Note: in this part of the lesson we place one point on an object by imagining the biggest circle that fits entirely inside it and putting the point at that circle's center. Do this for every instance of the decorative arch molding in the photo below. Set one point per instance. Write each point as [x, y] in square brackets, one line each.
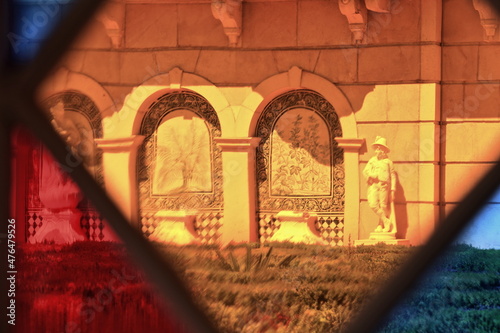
[66, 80]
[138, 102]
[82, 104]
[295, 79]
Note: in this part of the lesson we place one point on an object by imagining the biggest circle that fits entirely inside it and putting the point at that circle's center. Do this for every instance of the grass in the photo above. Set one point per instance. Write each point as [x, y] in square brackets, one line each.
[278, 288]
[283, 287]
[461, 294]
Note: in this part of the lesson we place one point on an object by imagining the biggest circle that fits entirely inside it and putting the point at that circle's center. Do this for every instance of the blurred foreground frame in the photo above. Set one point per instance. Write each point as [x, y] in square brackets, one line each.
[18, 106]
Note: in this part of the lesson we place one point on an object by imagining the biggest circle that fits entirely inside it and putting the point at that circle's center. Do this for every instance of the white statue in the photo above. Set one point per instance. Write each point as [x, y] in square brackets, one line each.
[381, 180]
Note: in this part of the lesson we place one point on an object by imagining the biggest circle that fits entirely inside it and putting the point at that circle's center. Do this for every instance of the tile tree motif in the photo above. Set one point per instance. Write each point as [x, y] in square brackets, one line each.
[179, 164]
[182, 162]
[300, 155]
[299, 165]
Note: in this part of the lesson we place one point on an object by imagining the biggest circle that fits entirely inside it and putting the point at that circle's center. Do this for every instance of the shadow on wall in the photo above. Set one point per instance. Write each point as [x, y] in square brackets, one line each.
[401, 210]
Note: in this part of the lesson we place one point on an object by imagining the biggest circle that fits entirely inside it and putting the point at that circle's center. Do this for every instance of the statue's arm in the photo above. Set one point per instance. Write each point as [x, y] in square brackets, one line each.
[393, 176]
[367, 169]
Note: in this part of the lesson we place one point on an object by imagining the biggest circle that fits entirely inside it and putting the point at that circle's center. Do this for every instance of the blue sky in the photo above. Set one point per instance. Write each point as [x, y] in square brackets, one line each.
[484, 232]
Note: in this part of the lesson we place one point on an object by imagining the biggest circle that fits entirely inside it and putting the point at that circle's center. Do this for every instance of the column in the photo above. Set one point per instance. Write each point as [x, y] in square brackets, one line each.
[351, 149]
[119, 161]
[240, 197]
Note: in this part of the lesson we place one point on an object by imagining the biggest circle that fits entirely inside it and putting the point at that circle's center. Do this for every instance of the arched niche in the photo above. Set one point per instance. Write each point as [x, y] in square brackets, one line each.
[296, 78]
[179, 166]
[49, 189]
[82, 114]
[299, 164]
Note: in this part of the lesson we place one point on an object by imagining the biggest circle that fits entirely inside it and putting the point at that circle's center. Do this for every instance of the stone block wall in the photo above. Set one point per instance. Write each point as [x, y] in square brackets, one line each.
[423, 77]
[470, 103]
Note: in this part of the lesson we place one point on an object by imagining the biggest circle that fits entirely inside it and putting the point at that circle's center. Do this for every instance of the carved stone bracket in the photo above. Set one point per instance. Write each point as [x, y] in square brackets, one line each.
[356, 14]
[229, 12]
[113, 17]
[113, 29]
[379, 6]
[489, 18]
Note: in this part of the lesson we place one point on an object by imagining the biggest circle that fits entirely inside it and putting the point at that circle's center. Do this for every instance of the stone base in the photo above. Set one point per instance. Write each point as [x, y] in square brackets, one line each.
[295, 232]
[297, 228]
[382, 235]
[175, 227]
[61, 227]
[405, 242]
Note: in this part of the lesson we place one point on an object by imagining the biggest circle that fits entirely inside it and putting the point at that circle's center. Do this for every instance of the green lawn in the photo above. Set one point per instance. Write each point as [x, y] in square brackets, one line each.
[461, 294]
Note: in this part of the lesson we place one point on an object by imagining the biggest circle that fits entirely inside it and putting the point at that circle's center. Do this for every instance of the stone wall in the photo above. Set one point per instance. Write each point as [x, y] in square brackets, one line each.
[423, 77]
[470, 102]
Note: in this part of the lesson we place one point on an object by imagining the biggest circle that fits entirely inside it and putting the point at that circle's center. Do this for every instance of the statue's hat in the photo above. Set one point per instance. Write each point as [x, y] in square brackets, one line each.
[380, 141]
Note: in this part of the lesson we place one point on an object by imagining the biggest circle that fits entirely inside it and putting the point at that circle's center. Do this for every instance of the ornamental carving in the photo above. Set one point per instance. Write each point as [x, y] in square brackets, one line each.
[229, 12]
[179, 165]
[356, 12]
[299, 164]
[489, 18]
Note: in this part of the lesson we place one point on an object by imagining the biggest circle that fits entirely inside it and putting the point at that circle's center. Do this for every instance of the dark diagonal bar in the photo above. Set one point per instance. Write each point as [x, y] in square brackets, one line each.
[370, 317]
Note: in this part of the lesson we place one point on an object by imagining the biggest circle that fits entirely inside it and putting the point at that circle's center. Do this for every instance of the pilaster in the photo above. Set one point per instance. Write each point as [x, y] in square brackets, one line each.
[240, 197]
[119, 158]
[352, 148]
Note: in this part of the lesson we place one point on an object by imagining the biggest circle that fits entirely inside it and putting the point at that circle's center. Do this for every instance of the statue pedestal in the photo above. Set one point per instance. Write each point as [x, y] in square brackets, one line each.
[388, 238]
[297, 227]
[175, 227]
[61, 227]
